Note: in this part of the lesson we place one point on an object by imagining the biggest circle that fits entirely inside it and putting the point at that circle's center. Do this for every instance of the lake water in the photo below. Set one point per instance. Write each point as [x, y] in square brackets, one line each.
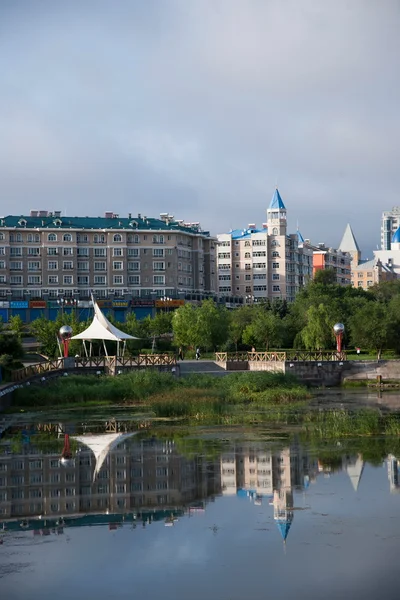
[210, 513]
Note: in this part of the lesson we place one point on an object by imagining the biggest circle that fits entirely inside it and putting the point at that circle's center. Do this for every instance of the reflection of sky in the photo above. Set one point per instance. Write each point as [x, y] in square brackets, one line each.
[342, 545]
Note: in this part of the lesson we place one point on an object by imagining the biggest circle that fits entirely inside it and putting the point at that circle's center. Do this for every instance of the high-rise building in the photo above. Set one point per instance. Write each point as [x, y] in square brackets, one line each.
[46, 256]
[267, 262]
[390, 224]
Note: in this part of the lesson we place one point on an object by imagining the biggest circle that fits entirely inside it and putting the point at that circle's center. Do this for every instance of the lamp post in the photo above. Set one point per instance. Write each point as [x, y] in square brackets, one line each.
[67, 302]
[166, 300]
[338, 329]
[65, 334]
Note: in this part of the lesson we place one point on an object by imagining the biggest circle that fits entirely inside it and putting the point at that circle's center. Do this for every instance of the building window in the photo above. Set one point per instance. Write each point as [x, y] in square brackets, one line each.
[117, 252]
[275, 254]
[51, 237]
[118, 280]
[70, 251]
[100, 280]
[52, 279]
[159, 280]
[82, 238]
[275, 231]
[133, 266]
[158, 252]
[135, 251]
[68, 279]
[99, 266]
[83, 280]
[67, 237]
[118, 265]
[275, 265]
[158, 266]
[275, 276]
[276, 288]
[117, 238]
[52, 265]
[99, 238]
[68, 265]
[134, 279]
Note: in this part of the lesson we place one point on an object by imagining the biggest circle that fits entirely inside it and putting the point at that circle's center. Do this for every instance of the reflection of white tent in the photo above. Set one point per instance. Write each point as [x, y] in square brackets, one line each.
[101, 329]
[101, 445]
[354, 467]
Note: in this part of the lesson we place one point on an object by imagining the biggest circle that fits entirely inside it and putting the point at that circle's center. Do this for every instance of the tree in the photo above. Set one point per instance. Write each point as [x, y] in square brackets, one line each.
[372, 327]
[325, 276]
[16, 325]
[318, 332]
[265, 331]
[240, 318]
[204, 326]
[46, 333]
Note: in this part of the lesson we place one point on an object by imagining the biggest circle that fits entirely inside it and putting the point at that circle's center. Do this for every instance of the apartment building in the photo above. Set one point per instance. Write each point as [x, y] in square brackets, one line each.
[330, 258]
[45, 257]
[371, 272]
[389, 225]
[256, 264]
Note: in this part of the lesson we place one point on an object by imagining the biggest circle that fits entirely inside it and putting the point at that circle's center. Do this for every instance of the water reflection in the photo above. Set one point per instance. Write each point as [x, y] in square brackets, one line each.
[122, 477]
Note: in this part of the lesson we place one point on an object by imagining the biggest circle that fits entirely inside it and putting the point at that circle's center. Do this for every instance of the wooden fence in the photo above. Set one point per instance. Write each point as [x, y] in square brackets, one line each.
[280, 356]
[103, 363]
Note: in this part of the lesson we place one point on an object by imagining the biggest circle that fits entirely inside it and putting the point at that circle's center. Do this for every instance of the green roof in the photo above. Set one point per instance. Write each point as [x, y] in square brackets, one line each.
[118, 223]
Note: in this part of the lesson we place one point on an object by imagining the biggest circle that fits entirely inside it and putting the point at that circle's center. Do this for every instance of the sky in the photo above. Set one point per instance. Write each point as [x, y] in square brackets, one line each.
[200, 108]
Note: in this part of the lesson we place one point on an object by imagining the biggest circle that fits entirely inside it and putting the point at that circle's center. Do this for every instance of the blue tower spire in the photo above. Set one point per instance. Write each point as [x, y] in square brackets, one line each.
[277, 202]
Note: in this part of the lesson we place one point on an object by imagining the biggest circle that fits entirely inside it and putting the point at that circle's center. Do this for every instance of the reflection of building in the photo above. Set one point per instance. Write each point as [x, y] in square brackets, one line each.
[255, 471]
[393, 467]
[135, 474]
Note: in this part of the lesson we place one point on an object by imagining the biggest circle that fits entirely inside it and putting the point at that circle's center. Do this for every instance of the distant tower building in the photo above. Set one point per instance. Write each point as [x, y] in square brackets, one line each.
[255, 264]
[349, 245]
[390, 224]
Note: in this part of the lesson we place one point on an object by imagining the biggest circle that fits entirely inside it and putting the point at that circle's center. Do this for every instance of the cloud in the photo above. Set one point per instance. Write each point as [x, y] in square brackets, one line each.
[199, 108]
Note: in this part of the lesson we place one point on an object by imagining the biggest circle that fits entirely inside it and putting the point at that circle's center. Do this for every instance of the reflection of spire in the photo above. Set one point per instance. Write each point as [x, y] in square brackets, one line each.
[101, 445]
[283, 511]
[354, 467]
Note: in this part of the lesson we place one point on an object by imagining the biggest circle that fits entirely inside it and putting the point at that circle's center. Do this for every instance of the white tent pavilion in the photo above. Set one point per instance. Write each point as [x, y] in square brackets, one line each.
[101, 329]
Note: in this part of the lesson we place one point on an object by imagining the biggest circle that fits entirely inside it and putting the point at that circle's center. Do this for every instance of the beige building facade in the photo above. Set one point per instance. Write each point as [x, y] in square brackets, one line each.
[46, 255]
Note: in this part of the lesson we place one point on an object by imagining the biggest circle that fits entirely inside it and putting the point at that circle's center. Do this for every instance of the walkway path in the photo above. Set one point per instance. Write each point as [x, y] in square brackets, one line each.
[187, 367]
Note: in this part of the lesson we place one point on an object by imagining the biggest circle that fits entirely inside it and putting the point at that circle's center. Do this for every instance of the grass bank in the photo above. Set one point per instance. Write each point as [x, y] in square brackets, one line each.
[166, 396]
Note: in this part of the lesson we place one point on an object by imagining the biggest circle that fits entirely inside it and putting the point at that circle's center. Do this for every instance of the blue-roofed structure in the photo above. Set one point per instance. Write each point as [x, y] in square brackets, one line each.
[277, 202]
[241, 234]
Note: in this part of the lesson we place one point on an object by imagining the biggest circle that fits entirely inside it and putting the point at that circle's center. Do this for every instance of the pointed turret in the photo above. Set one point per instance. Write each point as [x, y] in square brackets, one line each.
[276, 215]
[349, 244]
[300, 238]
[354, 467]
[277, 202]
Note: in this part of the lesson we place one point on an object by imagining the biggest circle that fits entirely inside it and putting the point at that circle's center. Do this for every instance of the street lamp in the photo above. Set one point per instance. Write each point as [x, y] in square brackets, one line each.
[67, 302]
[338, 329]
[165, 300]
[65, 334]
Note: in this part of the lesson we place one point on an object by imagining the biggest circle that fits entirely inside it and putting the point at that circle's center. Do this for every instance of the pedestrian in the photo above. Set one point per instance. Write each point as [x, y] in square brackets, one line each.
[197, 353]
[180, 353]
